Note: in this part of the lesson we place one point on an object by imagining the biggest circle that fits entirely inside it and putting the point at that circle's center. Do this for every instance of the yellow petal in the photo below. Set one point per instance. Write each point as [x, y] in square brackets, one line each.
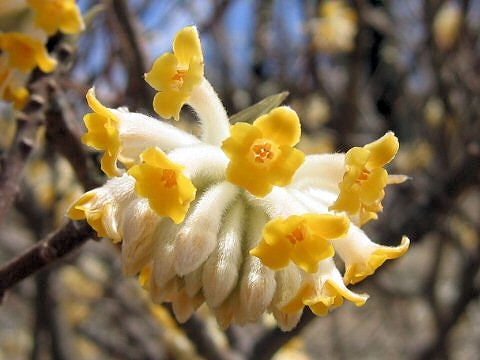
[357, 157]
[160, 77]
[309, 252]
[26, 52]
[246, 176]
[82, 209]
[103, 134]
[193, 76]
[328, 226]
[62, 15]
[242, 136]
[168, 104]
[372, 188]
[347, 201]
[186, 45]
[296, 304]
[382, 151]
[275, 256]
[359, 271]
[281, 125]
[168, 190]
[283, 167]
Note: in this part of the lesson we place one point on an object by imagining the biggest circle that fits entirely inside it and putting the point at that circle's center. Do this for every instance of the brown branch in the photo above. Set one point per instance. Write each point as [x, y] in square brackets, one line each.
[133, 54]
[273, 340]
[14, 162]
[63, 135]
[54, 247]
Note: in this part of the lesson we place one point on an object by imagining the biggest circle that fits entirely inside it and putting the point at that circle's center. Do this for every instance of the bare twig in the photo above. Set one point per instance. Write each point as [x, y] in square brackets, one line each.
[133, 53]
[16, 158]
[273, 340]
[54, 247]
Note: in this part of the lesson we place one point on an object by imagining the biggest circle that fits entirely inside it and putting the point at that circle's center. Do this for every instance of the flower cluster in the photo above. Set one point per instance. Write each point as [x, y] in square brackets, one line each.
[239, 218]
[335, 29]
[24, 30]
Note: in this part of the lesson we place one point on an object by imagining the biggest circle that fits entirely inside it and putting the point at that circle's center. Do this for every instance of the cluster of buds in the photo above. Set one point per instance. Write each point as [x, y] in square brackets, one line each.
[238, 218]
[25, 26]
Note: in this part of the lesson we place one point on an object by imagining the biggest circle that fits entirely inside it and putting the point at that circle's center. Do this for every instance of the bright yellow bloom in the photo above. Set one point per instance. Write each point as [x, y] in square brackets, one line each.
[63, 15]
[176, 75]
[323, 291]
[102, 126]
[331, 296]
[362, 187]
[25, 52]
[84, 208]
[302, 239]
[262, 155]
[162, 182]
[376, 255]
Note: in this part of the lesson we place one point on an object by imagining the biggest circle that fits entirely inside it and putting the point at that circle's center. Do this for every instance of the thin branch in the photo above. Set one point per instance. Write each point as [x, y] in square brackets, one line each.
[62, 134]
[54, 247]
[273, 340]
[133, 54]
[14, 162]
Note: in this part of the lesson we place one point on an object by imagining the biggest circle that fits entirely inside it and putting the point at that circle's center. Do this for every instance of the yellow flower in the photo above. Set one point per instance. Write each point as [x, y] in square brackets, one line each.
[162, 182]
[302, 239]
[362, 187]
[262, 155]
[56, 15]
[102, 126]
[25, 52]
[84, 208]
[11, 88]
[323, 291]
[363, 257]
[176, 75]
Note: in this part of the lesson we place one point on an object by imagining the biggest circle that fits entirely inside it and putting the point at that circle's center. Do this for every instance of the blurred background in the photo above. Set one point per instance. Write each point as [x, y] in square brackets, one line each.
[353, 70]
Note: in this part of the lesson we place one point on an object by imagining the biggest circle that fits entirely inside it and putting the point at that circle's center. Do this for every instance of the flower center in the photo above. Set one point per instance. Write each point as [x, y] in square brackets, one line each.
[178, 79]
[263, 152]
[363, 175]
[297, 235]
[169, 178]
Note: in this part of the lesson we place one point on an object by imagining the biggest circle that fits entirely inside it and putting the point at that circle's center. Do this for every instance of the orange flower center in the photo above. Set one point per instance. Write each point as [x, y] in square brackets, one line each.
[178, 79]
[363, 175]
[169, 178]
[262, 152]
[297, 235]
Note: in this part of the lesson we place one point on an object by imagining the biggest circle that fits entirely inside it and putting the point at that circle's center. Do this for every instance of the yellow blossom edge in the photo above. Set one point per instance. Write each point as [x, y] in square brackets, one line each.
[364, 181]
[25, 52]
[82, 209]
[359, 271]
[330, 296]
[176, 75]
[301, 239]
[262, 154]
[62, 15]
[162, 182]
[103, 134]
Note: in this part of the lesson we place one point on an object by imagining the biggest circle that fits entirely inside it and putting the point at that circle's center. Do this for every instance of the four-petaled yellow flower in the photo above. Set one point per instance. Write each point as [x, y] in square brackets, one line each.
[176, 75]
[25, 52]
[102, 126]
[362, 187]
[163, 183]
[262, 155]
[62, 15]
[302, 239]
[323, 291]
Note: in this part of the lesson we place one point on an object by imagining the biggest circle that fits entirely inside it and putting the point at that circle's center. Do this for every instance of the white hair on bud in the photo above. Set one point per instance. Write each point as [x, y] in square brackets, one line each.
[220, 272]
[197, 237]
